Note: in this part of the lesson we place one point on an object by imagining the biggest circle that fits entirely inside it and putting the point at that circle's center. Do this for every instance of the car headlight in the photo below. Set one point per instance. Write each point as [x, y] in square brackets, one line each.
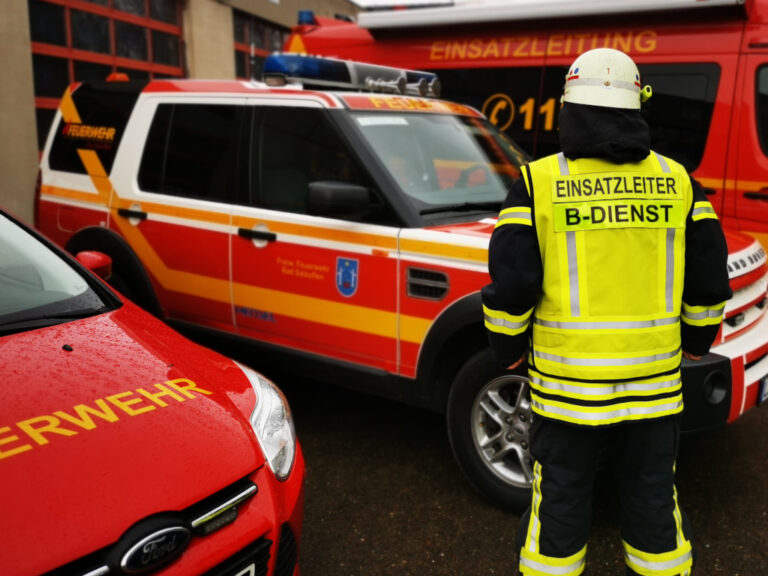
[272, 423]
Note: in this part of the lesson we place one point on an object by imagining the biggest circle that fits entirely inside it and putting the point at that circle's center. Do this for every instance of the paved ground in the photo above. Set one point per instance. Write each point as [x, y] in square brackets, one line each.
[384, 497]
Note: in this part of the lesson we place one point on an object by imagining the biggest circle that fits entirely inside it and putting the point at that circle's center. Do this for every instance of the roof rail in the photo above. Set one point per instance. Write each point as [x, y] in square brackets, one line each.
[283, 68]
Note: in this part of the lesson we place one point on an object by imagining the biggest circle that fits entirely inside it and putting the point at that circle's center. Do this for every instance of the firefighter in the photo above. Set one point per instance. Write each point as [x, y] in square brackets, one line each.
[608, 266]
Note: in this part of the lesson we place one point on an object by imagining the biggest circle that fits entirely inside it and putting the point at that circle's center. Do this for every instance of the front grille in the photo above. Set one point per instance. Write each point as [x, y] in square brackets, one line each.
[252, 560]
[201, 519]
[286, 553]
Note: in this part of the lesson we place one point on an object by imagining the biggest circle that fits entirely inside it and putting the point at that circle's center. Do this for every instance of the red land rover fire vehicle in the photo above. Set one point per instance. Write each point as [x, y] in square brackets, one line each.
[340, 224]
[124, 447]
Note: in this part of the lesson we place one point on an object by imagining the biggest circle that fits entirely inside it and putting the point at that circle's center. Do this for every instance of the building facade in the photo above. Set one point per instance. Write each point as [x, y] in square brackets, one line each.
[61, 41]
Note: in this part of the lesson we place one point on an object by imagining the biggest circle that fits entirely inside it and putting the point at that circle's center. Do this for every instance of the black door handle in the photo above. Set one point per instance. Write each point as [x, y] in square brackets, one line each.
[257, 234]
[709, 191]
[128, 213]
[756, 195]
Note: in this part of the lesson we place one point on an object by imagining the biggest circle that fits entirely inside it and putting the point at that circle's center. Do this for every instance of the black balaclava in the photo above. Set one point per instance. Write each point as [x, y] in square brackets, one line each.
[615, 134]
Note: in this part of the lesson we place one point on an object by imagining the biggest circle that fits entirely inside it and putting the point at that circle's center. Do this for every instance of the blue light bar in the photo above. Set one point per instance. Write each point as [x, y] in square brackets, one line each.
[314, 71]
[307, 17]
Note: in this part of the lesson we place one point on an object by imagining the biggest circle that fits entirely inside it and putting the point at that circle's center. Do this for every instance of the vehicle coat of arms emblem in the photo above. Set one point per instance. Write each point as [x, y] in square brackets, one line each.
[346, 276]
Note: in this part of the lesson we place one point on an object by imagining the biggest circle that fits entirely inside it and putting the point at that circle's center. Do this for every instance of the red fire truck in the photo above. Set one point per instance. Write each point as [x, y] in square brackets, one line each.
[707, 62]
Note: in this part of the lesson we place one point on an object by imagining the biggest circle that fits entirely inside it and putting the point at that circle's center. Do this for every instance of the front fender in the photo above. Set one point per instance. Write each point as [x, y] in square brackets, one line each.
[455, 336]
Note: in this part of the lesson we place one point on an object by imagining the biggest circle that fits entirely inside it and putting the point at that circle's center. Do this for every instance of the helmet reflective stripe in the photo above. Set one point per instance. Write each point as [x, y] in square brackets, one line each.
[578, 81]
[603, 77]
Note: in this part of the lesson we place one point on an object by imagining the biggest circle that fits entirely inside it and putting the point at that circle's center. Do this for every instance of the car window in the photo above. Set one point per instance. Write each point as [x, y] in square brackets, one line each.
[762, 107]
[191, 151]
[36, 283]
[102, 111]
[442, 159]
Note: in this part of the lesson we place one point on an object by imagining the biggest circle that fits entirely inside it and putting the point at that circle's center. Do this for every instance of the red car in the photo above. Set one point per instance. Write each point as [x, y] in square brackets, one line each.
[124, 447]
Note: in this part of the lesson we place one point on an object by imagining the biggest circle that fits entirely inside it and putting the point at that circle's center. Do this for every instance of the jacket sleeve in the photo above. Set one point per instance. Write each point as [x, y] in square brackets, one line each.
[514, 263]
[706, 286]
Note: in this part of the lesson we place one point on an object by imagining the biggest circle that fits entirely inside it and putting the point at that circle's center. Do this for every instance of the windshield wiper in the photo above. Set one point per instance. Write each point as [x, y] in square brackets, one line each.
[46, 320]
[463, 206]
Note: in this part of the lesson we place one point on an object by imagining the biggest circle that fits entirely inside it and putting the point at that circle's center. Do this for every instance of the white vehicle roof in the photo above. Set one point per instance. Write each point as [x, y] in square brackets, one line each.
[478, 11]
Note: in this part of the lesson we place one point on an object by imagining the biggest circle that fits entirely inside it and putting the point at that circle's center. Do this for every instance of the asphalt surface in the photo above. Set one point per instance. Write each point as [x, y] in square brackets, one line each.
[384, 496]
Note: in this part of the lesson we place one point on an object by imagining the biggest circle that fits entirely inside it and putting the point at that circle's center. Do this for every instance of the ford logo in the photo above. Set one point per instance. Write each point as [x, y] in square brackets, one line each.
[158, 548]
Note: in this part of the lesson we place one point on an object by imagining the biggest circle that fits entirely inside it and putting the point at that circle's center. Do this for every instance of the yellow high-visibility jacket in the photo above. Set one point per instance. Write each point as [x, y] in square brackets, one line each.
[589, 261]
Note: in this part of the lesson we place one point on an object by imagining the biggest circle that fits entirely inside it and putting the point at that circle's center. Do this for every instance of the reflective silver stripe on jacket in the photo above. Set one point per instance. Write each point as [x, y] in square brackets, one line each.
[607, 324]
[702, 211]
[662, 162]
[710, 312]
[669, 282]
[504, 323]
[611, 413]
[617, 389]
[570, 240]
[605, 362]
[516, 215]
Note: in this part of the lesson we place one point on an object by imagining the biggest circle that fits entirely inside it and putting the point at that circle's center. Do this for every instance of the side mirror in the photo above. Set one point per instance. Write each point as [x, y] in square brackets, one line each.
[97, 262]
[331, 198]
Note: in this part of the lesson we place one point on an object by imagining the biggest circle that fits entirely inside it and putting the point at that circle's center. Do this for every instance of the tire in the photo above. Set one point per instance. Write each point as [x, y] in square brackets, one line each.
[488, 417]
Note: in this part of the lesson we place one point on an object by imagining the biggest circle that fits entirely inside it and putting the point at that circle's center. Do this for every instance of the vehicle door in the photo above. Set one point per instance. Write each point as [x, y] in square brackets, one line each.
[175, 212]
[318, 284]
[749, 156]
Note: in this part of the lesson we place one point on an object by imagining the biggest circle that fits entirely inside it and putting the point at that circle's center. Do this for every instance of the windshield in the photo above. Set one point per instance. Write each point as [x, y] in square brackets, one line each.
[444, 163]
[37, 287]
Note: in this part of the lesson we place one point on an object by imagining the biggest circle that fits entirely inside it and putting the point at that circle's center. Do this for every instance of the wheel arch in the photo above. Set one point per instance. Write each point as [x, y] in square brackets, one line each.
[456, 335]
[125, 262]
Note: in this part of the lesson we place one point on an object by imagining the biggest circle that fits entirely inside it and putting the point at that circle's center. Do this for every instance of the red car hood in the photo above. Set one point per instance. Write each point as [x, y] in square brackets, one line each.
[84, 453]
[482, 227]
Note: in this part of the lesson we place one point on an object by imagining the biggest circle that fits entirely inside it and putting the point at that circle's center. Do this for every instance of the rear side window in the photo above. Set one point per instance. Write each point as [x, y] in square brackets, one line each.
[680, 111]
[191, 151]
[95, 122]
[762, 107]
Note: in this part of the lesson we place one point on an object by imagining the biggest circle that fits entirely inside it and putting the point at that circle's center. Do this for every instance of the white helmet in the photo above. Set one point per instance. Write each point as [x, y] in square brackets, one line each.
[605, 77]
